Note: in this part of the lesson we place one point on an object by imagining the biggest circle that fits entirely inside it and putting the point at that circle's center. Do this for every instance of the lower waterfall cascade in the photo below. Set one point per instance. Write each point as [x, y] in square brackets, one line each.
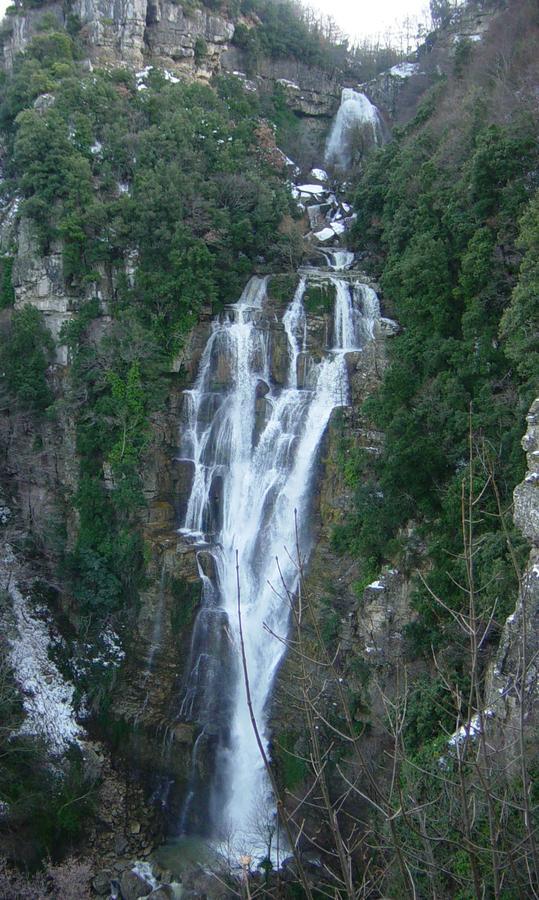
[252, 442]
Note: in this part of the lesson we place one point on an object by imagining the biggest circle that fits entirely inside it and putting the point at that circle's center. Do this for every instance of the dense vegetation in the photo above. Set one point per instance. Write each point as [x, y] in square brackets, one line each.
[449, 210]
[162, 204]
[449, 213]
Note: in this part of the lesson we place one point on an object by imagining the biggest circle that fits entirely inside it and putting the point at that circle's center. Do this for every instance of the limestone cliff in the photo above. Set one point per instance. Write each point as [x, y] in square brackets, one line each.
[513, 683]
[127, 31]
[197, 44]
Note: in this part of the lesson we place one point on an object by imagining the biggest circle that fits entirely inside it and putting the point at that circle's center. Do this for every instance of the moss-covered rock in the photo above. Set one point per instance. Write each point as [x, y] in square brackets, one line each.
[319, 298]
[281, 288]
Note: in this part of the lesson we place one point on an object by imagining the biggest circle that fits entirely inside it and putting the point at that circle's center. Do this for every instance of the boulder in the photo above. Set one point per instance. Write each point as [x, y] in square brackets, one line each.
[134, 886]
[163, 892]
[101, 883]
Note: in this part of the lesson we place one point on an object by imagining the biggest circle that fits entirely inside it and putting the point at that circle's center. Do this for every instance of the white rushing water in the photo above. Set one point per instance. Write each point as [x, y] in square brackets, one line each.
[253, 447]
[357, 126]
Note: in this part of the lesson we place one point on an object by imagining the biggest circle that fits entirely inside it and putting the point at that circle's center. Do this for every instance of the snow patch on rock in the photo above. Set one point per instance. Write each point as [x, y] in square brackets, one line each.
[46, 697]
[319, 174]
[470, 730]
[404, 70]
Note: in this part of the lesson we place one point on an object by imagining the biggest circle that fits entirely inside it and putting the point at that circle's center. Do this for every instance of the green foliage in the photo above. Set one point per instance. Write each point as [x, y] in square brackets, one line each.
[25, 354]
[520, 321]
[292, 768]
[7, 293]
[319, 298]
[463, 55]
[201, 50]
[128, 409]
[448, 238]
[186, 596]
[48, 22]
[282, 287]
[430, 714]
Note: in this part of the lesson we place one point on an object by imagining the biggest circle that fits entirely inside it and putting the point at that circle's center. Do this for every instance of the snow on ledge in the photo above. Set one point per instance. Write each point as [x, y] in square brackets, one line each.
[312, 190]
[404, 70]
[284, 82]
[319, 174]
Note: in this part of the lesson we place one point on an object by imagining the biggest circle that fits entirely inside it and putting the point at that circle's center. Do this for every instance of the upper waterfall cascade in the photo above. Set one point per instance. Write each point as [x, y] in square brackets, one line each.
[357, 124]
[252, 442]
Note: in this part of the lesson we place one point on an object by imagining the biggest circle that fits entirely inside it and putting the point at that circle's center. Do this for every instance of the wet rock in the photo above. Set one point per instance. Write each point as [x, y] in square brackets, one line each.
[101, 883]
[262, 414]
[388, 327]
[262, 388]
[163, 892]
[207, 563]
[133, 886]
[279, 359]
[120, 843]
[198, 883]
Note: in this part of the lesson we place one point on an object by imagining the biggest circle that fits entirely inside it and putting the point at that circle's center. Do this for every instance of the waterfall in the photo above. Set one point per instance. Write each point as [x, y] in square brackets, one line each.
[357, 127]
[338, 260]
[253, 447]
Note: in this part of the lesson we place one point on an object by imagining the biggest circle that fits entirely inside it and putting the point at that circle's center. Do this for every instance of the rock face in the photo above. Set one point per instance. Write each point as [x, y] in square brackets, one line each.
[171, 35]
[513, 682]
[526, 495]
[141, 32]
[23, 29]
[309, 91]
[38, 280]
[130, 31]
[157, 745]
[113, 28]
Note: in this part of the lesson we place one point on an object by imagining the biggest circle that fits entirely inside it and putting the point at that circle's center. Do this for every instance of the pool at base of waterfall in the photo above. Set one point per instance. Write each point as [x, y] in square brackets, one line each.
[184, 857]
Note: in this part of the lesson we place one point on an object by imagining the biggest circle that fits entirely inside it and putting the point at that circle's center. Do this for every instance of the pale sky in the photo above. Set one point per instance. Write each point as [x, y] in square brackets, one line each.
[356, 18]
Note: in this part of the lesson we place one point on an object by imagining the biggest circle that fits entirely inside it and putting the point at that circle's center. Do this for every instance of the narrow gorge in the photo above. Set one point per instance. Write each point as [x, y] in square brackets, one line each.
[268, 536]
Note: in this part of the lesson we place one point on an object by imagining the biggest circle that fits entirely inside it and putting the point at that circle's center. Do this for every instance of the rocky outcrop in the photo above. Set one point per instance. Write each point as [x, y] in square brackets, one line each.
[38, 280]
[113, 29]
[172, 35]
[513, 682]
[159, 32]
[526, 496]
[398, 90]
[388, 89]
[21, 26]
[129, 32]
[308, 91]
